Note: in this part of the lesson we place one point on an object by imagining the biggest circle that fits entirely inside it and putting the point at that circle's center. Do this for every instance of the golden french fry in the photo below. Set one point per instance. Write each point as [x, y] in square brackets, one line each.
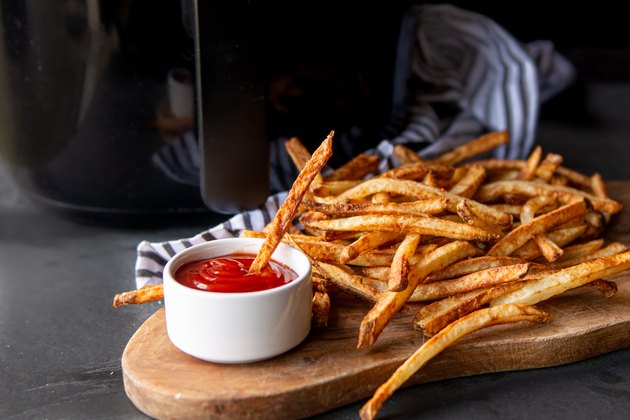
[321, 309]
[404, 224]
[491, 192]
[607, 288]
[321, 284]
[598, 186]
[321, 250]
[332, 188]
[475, 321]
[612, 249]
[376, 272]
[419, 170]
[575, 178]
[357, 168]
[401, 263]
[560, 237]
[541, 224]
[300, 155]
[467, 186]
[348, 282]
[434, 317]
[418, 190]
[475, 147]
[547, 247]
[472, 265]
[143, 295]
[431, 180]
[511, 209]
[548, 166]
[476, 280]
[417, 208]
[534, 205]
[529, 170]
[367, 242]
[381, 198]
[580, 250]
[389, 303]
[465, 212]
[291, 204]
[405, 155]
[567, 278]
[559, 180]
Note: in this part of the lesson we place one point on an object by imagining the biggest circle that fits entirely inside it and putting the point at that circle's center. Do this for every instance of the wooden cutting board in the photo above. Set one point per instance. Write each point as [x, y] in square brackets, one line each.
[327, 371]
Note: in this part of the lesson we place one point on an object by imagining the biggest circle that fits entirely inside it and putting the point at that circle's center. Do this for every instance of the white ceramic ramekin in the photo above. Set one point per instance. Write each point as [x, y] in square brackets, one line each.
[238, 327]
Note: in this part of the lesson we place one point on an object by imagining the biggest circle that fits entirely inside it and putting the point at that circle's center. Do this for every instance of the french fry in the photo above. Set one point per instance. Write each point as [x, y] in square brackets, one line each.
[470, 323]
[567, 278]
[434, 317]
[389, 303]
[475, 147]
[143, 295]
[612, 249]
[321, 284]
[376, 272]
[367, 242]
[534, 205]
[511, 209]
[300, 155]
[405, 155]
[560, 237]
[381, 198]
[472, 265]
[598, 186]
[401, 263]
[477, 280]
[495, 217]
[531, 164]
[465, 212]
[420, 191]
[548, 166]
[493, 191]
[607, 288]
[349, 282]
[418, 171]
[549, 249]
[541, 224]
[355, 169]
[404, 224]
[467, 186]
[290, 206]
[417, 208]
[575, 178]
[321, 309]
[580, 250]
[332, 188]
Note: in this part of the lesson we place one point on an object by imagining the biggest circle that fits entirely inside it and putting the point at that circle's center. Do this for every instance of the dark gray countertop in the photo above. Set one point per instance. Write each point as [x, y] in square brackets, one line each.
[61, 341]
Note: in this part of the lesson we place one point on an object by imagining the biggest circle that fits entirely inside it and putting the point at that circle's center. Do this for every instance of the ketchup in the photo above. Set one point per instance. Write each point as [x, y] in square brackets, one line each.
[230, 274]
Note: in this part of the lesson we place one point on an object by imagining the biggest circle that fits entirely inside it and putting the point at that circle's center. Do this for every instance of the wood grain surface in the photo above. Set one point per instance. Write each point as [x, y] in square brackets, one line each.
[327, 371]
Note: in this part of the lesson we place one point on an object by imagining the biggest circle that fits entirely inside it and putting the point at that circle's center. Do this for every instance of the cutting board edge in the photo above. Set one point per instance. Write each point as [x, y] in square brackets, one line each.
[156, 404]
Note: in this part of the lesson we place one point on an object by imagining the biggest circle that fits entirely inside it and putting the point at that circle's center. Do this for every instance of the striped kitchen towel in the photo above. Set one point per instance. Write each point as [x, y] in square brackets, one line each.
[458, 74]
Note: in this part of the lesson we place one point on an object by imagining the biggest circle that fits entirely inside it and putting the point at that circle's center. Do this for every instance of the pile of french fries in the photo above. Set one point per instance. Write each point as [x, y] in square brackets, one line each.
[479, 241]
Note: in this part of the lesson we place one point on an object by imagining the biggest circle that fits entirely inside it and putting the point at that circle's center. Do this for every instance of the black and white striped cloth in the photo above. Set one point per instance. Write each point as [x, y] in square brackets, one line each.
[458, 75]
[465, 75]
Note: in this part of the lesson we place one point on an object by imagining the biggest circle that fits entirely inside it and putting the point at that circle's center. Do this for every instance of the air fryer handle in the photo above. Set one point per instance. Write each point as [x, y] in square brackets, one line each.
[231, 107]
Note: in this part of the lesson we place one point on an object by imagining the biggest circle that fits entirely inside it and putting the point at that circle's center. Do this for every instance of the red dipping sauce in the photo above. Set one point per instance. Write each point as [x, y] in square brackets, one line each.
[229, 274]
